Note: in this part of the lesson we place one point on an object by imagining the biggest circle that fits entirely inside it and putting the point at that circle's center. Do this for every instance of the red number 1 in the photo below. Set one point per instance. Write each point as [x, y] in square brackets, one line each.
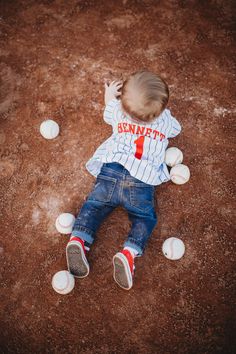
[139, 147]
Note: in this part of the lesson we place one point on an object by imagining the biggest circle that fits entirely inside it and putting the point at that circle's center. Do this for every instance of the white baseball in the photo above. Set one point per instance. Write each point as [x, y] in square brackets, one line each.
[173, 248]
[63, 282]
[49, 129]
[64, 223]
[173, 156]
[179, 174]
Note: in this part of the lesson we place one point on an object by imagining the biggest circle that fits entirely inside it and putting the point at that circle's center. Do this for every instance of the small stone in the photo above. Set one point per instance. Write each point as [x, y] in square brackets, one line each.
[24, 147]
[6, 169]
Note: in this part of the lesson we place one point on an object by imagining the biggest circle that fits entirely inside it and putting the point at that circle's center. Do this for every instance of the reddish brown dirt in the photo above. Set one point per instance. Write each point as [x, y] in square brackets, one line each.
[55, 56]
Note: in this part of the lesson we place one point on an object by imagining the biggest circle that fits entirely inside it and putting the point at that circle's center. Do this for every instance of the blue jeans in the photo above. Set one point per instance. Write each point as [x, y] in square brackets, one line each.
[115, 186]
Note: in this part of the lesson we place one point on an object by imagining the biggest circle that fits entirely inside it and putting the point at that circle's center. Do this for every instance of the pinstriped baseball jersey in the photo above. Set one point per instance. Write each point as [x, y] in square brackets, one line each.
[139, 147]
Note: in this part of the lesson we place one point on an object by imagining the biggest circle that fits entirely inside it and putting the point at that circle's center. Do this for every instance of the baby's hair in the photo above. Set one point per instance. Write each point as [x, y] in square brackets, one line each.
[144, 95]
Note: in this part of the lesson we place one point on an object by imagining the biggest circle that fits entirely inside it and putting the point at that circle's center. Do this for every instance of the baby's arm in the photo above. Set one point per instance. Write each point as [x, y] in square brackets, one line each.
[175, 127]
[112, 91]
[111, 102]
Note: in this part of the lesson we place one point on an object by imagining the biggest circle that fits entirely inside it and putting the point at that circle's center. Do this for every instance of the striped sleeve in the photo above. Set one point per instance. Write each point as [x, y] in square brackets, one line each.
[108, 114]
[175, 127]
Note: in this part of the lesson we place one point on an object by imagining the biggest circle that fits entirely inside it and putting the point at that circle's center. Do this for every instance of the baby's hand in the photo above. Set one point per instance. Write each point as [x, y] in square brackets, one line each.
[112, 90]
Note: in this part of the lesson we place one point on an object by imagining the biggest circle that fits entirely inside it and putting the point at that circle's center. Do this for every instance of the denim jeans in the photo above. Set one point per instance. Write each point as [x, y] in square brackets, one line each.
[115, 186]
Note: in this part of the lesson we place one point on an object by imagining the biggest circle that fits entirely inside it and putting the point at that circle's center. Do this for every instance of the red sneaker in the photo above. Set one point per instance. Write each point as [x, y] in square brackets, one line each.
[123, 263]
[76, 257]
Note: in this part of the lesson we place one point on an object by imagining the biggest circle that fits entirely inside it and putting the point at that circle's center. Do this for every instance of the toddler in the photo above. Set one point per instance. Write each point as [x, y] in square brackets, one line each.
[128, 166]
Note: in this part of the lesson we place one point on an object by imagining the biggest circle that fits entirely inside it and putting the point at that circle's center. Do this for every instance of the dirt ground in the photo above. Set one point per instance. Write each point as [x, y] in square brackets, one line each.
[55, 57]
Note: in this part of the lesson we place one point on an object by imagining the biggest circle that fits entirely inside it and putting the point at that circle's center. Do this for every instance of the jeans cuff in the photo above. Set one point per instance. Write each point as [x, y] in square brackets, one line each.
[83, 235]
[134, 246]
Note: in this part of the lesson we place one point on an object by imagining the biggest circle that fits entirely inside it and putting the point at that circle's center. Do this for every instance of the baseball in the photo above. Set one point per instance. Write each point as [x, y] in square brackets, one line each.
[173, 248]
[173, 156]
[179, 174]
[64, 223]
[63, 282]
[49, 129]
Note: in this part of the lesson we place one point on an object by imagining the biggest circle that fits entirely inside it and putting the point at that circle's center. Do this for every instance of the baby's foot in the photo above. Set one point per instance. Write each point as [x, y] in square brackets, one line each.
[76, 257]
[123, 263]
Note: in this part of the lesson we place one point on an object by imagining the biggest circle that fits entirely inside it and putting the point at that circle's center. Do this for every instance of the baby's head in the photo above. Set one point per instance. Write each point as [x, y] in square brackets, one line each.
[144, 95]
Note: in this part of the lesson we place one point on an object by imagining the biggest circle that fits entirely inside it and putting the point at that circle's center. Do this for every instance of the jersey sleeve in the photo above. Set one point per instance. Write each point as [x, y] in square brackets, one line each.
[175, 127]
[110, 111]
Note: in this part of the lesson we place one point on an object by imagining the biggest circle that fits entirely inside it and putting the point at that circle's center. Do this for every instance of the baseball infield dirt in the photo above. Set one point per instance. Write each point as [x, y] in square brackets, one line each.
[55, 57]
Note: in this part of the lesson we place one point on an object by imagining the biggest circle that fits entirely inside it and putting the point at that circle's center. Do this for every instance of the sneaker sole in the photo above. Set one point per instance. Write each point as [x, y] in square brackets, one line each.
[122, 274]
[76, 261]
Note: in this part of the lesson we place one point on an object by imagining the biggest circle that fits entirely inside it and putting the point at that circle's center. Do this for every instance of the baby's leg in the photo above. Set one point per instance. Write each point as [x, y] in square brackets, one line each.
[101, 201]
[89, 219]
[139, 201]
[141, 229]
[86, 224]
